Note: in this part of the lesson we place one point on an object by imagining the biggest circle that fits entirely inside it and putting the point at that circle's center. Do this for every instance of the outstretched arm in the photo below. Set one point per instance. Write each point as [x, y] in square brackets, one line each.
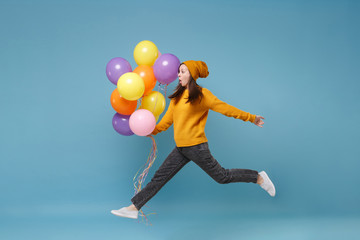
[230, 111]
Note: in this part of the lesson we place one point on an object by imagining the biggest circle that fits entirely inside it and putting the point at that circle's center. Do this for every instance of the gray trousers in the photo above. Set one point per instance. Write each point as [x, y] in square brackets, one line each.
[178, 158]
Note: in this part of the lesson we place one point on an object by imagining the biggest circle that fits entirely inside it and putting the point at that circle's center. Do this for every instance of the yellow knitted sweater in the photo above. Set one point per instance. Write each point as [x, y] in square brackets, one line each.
[190, 119]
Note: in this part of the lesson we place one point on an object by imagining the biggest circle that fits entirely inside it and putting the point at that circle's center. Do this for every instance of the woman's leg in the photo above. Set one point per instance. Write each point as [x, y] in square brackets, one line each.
[200, 154]
[172, 164]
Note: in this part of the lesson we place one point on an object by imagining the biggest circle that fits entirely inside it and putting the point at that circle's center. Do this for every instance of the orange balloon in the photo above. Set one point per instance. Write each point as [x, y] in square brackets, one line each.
[147, 74]
[121, 105]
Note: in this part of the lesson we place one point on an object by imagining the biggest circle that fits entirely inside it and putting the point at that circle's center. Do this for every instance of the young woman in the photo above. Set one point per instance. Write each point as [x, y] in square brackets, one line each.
[188, 110]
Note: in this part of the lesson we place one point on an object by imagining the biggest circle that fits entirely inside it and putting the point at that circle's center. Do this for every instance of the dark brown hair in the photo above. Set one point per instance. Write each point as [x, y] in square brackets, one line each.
[195, 91]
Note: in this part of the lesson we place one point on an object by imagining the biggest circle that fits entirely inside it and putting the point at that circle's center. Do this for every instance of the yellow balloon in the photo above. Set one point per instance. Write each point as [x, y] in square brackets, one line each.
[157, 118]
[154, 102]
[145, 53]
[131, 86]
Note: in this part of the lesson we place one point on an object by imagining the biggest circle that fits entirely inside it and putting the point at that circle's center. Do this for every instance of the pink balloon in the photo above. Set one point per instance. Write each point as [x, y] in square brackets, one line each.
[142, 122]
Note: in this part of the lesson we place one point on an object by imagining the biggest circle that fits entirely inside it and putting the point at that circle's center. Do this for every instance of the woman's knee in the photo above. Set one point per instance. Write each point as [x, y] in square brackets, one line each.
[222, 179]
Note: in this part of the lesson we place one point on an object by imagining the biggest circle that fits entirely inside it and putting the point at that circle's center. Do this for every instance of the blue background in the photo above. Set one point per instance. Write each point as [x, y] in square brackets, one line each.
[64, 167]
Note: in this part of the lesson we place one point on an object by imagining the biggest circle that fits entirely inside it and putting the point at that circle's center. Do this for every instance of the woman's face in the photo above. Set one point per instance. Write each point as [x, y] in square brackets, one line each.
[184, 75]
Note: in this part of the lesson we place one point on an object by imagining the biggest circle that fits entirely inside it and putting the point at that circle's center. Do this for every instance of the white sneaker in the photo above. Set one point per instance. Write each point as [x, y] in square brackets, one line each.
[123, 212]
[267, 185]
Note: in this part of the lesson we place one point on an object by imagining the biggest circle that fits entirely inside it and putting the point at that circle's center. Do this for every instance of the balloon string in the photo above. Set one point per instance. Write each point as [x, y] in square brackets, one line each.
[166, 89]
[139, 103]
[150, 161]
[141, 178]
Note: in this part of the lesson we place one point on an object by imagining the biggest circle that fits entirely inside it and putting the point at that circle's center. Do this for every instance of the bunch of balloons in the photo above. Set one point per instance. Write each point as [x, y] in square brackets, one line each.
[138, 84]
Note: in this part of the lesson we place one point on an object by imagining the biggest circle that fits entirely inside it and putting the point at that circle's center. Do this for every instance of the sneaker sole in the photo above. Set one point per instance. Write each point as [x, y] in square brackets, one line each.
[123, 215]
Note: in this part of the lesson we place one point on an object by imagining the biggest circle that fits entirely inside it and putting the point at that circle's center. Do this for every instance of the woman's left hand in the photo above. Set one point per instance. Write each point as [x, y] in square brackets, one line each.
[258, 121]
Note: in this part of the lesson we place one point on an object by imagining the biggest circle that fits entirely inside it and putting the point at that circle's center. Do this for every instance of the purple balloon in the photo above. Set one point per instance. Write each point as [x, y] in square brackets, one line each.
[166, 68]
[121, 124]
[117, 67]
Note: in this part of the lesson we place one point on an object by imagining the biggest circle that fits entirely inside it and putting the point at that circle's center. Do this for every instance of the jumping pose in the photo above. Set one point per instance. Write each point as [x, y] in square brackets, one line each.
[188, 111]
